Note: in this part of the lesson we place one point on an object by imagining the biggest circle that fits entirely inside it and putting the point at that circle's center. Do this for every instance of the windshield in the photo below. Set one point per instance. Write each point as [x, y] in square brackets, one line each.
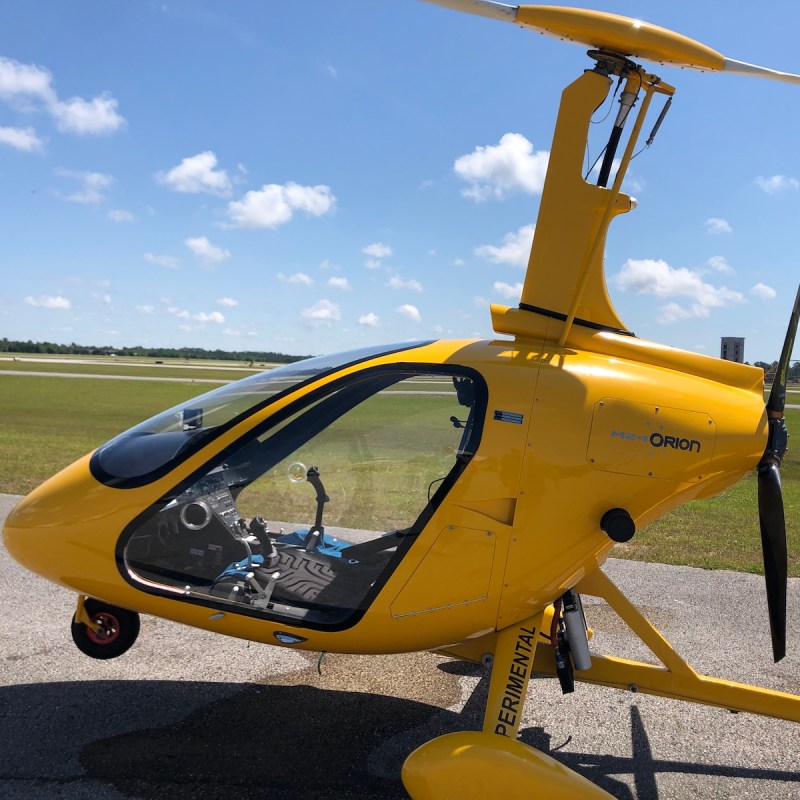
[150, 449]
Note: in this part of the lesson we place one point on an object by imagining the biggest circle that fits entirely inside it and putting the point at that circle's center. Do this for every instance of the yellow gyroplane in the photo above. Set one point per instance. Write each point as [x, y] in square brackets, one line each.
[454, 496]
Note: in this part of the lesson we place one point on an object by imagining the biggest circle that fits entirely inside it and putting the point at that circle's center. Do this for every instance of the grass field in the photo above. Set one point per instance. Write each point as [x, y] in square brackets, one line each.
[48, 422]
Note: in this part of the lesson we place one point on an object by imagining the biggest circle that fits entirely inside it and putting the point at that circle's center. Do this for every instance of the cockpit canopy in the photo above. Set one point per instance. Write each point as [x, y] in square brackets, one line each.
[306, 515]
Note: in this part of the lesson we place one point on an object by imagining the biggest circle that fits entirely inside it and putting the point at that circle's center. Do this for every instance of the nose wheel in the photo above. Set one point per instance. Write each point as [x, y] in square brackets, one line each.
[103, 631]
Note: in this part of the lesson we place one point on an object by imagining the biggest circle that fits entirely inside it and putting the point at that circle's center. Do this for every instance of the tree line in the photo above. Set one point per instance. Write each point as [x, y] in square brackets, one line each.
[52, 348]
[792, 374]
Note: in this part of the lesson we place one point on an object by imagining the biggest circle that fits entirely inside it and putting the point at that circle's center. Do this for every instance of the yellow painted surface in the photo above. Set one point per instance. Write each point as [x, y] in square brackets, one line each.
[569, 204]
[654, 441]
[471, 765]
[464, 554]
[619, 34]
[512, 667]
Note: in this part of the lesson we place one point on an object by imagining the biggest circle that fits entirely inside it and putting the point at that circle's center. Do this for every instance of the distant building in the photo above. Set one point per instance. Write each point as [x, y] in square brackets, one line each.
[732, 349]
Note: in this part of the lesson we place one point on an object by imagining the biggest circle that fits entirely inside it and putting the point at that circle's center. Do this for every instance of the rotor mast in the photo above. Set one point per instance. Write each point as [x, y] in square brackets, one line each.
[565, 283]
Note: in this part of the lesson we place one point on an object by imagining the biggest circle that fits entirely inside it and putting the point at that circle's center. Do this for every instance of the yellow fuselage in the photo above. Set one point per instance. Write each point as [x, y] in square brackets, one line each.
[643, 430]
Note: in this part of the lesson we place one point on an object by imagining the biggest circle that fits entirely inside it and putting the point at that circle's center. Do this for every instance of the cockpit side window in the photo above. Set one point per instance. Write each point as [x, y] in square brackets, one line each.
[306, 517]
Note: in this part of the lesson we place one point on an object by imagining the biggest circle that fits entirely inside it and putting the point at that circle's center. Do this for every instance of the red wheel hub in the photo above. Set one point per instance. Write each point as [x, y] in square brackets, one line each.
[109, 628]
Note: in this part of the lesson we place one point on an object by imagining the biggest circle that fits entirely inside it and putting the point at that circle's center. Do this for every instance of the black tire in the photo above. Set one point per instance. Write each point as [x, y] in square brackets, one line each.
[120, 628]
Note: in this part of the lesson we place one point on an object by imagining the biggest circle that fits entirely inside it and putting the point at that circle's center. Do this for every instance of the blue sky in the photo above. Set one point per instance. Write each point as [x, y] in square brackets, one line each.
[312, 177]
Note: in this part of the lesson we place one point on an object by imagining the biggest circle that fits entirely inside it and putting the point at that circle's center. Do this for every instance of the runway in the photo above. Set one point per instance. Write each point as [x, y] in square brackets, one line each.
[187, 715]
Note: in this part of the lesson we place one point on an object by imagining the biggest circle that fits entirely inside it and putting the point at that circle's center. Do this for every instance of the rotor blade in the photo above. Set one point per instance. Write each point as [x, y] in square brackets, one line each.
[616, 33]
[777, 396]
[481, 8]
[743, 68]
[773, 545]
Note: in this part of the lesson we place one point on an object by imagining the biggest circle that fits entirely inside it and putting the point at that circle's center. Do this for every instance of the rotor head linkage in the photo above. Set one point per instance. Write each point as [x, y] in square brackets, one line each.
[611, 63]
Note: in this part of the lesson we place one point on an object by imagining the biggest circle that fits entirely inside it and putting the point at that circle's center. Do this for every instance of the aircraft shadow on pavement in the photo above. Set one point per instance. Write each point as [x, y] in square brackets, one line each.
[152, 739]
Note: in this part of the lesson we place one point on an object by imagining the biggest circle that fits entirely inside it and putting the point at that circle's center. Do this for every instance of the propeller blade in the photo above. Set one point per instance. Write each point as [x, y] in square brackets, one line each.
[773, 545]
[770, 498]
[777, 395]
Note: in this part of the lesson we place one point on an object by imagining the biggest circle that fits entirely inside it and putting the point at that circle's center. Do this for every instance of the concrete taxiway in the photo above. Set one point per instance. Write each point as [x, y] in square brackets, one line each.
[186, 714]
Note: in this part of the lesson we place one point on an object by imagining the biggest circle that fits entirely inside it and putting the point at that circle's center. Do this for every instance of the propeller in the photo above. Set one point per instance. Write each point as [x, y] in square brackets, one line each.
[615, 33]
[770, 498]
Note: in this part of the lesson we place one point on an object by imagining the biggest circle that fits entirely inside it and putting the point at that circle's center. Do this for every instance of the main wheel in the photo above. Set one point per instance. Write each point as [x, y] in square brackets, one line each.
[118, 630]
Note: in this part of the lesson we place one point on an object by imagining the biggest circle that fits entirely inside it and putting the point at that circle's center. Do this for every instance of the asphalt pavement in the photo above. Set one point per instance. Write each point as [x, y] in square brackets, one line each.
[187, 714]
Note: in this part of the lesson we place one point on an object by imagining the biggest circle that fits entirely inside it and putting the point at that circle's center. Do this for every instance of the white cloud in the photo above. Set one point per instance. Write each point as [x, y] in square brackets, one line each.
[458, 262]
[508, 291]
[719, 264]
[672, 312]
[91, 187]
[275, 204]
[24, 83]
[170, 262]
[24, 80]
[371, 320]
[238, 332]
[496, 170]
[48, 301]
[656, 277]
[339, 283]
[515, 250]
[200, 316]
[396, 282]
[323, 312]
[119, 215]
[87, 117]
[24, 139]
[212, 316]
[101, 298]
[207, 253]
[146, 310]
[777, 183]
[717, 225]
[297, 277]
[196, 174]
[377, 250]
[763, 292]
[412, 312]
[228, 302]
